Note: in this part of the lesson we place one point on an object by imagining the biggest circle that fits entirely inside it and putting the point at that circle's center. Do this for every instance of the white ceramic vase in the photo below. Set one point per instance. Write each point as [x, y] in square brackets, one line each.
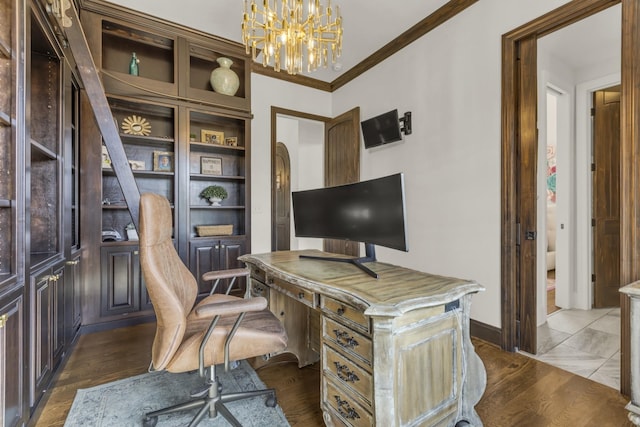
[215, 201]
[223, 79]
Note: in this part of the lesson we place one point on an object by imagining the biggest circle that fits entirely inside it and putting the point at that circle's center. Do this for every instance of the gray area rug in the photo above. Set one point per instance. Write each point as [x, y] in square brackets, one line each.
[123, 403]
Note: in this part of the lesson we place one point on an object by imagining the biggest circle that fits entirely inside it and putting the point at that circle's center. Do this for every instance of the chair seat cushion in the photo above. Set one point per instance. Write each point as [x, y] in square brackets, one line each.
[259, 333]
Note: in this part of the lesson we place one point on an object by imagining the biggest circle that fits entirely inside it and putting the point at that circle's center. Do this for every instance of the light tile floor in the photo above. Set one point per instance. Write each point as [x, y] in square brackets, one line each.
[584, 342]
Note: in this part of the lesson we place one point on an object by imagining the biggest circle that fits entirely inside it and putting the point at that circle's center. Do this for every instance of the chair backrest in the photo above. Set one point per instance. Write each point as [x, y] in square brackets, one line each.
[171, 286]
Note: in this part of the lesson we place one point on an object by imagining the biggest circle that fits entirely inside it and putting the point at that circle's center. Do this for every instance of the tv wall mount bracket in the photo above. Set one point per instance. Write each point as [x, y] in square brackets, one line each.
[406, 123]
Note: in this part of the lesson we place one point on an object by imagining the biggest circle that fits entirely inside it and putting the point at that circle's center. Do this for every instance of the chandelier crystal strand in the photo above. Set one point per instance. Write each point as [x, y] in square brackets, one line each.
[289, 32]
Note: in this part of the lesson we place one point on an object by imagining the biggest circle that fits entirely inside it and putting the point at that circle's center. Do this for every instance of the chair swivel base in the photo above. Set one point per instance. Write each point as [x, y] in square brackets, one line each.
[212, 404]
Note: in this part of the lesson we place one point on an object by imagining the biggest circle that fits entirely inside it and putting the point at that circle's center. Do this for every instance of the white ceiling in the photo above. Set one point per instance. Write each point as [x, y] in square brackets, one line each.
[588, 42]
[369, 25]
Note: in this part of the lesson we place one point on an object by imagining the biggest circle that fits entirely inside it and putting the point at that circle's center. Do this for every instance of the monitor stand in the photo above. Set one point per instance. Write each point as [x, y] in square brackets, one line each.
[370, 256]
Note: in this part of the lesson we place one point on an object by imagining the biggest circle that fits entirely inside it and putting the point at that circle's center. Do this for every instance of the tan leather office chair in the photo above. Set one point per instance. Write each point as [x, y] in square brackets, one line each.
[190, 336]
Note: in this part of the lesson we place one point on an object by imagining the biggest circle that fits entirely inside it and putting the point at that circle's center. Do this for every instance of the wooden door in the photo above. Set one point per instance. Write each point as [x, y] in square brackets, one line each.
[606, 197]
[342, 165]
[282, 224]
[12, 364]
[526, 187]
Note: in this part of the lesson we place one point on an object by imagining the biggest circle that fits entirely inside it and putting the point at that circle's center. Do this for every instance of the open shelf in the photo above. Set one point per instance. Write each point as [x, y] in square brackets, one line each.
[216, 208]
[203, 146]
[155, 52]
[154, 141]
[40, 152]
[203, 177]
[5, 49]
[5, 120]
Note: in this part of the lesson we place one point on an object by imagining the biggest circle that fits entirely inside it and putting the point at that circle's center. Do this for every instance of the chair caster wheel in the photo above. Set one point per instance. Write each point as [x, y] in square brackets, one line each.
[149, 421]
[271, 401]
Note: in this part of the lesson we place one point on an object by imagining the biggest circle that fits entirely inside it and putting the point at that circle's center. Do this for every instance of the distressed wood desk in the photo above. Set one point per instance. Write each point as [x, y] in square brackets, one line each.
[394, 351]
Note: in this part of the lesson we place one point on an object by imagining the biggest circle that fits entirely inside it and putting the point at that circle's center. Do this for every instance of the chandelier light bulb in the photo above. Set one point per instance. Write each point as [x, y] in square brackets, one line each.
[281, 31]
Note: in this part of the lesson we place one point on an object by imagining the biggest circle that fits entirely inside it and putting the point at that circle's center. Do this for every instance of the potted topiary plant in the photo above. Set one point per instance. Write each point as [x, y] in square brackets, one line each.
[214, 194]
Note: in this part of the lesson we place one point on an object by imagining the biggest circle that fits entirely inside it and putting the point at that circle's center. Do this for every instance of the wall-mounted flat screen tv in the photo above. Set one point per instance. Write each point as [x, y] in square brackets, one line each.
[372, 212]
[381, 129]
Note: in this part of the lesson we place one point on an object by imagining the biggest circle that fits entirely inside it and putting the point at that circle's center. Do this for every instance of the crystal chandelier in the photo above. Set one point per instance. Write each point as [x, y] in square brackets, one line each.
[285, 34]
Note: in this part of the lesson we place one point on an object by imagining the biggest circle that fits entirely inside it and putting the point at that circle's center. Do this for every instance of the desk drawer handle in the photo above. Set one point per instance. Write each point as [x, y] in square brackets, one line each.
[345, 374]
[340, 311]
[345, 409]
[301, 295]
[344, 339]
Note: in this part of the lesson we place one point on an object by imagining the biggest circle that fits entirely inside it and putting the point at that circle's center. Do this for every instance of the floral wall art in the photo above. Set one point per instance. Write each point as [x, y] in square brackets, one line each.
[551, 173]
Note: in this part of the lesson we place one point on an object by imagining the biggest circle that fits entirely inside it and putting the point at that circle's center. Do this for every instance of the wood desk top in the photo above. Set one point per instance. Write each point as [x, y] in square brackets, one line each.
[397, 290]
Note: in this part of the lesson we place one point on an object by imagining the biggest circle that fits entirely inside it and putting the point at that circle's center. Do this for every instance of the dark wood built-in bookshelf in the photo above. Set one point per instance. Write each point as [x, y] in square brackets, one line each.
[172, 101]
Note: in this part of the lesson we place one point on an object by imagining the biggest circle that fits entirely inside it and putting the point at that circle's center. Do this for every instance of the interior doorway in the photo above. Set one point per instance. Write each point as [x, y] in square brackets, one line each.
[519, 145]
[301, 136]
[321, 151]
[281, 222]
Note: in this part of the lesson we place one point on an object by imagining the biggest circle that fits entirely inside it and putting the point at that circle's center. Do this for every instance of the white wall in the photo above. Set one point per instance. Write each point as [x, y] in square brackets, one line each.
[451, 82]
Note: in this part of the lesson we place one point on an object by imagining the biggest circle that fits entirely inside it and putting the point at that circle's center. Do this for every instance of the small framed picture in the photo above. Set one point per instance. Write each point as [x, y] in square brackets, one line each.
[211, 136]
[106, 160]
[210, 165]
[162, 161]
[137, 165]
[231, 141]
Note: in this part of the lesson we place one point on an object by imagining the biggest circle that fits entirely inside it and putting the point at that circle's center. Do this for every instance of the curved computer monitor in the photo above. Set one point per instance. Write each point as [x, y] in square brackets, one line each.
[372, 212]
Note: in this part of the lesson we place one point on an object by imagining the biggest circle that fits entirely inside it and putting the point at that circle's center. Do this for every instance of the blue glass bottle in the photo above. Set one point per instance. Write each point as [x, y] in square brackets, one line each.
[133, 65]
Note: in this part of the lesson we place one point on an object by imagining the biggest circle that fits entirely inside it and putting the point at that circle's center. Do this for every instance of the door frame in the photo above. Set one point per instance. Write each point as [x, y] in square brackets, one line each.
[519, 64]
[275, 112]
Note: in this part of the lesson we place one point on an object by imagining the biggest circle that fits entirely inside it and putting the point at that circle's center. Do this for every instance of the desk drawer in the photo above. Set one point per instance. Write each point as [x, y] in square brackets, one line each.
[347, 340]
[345, 312]
[342, 403]
[259, 289]
[258, 274]
[304, 296]
[346, 373]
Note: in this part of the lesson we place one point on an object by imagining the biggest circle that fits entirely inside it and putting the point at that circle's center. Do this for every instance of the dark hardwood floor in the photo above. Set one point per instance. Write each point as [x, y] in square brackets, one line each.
[520, 391]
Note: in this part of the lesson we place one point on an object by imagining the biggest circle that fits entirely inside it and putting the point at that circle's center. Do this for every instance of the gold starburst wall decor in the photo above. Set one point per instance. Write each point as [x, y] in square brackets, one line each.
[135, 125]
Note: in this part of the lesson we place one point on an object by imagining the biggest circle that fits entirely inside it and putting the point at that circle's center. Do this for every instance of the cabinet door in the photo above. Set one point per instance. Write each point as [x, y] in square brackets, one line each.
[12, 362]
[72, 301]
[211, 255]
[120, 280]
[57, 314]
[42, 351]
[204, 255]
[230, 250]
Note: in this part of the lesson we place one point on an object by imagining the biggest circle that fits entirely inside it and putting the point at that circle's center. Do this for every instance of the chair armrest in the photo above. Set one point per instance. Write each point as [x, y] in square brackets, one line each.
[231, 307]
[218, 309]
[225, 274]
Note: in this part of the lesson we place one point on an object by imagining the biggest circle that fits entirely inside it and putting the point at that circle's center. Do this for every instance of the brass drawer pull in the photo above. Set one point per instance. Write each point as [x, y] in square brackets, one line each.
[340, 311]
[345, 409]
[345, 374]
[300, 295]
[344, 339]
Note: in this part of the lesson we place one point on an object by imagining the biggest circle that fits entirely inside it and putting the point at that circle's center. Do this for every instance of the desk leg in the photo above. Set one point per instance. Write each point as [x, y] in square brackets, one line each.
[298, 321]
[476, 375]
